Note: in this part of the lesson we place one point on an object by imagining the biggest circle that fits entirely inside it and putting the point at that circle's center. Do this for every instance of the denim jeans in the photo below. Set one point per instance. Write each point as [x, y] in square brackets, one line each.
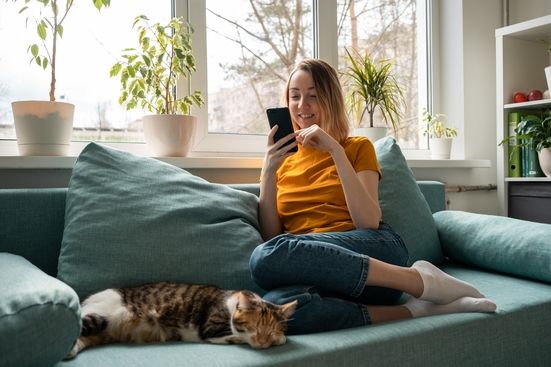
[327, 273]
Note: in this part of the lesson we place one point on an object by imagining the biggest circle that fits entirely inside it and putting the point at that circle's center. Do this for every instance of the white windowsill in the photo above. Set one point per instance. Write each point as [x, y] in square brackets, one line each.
[19, 162]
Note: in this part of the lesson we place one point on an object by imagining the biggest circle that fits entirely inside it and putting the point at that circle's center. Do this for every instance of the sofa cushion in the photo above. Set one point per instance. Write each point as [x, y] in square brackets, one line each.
[404, 206]
[497, 243]
[132, 220]
[39, 315]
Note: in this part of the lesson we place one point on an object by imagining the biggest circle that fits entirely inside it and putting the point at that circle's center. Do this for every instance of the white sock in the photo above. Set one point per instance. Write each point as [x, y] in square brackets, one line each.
[420, 308]
[440, 287]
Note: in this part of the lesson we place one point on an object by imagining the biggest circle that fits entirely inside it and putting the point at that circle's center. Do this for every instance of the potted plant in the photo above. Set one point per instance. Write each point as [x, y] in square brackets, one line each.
[45, 127]
[440, 136]
[372, 86]
[148, 78]
[534, 133]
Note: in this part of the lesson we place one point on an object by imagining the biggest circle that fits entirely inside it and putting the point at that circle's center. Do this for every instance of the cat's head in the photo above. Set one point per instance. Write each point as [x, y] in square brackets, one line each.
[258, 322]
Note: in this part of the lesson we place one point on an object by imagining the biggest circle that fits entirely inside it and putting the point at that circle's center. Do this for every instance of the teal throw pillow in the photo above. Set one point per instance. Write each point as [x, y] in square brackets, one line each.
[497, 243]
[39, 315]
[404, 206]
[132, 220]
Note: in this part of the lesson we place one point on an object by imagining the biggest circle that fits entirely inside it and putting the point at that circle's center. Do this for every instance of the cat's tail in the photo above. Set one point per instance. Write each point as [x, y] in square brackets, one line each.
[93, 324]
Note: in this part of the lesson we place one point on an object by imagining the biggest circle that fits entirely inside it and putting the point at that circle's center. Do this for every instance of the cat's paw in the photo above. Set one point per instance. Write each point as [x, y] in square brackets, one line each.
[77, 347]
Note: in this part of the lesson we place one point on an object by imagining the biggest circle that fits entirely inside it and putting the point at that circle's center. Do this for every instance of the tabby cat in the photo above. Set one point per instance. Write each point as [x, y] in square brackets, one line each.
[189, 312]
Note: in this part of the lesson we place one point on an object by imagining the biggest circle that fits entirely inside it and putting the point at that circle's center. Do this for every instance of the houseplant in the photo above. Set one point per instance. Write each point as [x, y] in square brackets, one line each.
[440, 135]
[148, 76]
[536, 133]
[372, 86]
[45, 127]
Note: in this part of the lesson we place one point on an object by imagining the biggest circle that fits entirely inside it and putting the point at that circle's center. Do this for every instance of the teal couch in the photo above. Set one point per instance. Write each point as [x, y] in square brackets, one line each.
[518, 334]
[127, 220]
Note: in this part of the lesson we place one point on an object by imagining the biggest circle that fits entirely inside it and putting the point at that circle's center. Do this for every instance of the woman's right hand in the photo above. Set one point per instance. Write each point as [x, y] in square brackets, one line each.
[277, 152]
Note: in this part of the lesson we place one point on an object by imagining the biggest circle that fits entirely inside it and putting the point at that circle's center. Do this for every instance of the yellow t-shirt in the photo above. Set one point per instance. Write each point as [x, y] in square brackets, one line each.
[310, 197]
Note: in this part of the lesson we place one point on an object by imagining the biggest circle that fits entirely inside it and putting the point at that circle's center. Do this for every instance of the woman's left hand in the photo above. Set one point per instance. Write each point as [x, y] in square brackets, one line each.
[314, 137]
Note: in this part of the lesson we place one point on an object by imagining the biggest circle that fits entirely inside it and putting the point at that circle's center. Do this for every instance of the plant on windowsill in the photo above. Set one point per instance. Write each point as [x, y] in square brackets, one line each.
[148, 78]
[534, 134]
[440, 135]
[45, 127]
[371, 86]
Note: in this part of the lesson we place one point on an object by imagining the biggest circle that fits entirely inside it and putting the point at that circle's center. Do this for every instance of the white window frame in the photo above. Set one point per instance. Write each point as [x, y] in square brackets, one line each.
[218, 144]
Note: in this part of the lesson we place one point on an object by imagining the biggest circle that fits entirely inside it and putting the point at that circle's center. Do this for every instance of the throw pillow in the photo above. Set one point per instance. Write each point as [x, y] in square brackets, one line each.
[132, 220]
[404, 206]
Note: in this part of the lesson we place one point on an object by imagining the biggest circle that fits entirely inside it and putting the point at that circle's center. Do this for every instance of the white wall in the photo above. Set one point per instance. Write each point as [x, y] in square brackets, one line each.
[466, 85]
[523, 10]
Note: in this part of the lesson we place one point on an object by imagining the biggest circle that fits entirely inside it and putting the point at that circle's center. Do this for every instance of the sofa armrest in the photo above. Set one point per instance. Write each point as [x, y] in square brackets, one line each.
[39, 315]
[491, 242]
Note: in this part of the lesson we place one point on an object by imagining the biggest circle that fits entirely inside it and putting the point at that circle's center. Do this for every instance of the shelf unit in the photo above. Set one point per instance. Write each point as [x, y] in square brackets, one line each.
[521, 56]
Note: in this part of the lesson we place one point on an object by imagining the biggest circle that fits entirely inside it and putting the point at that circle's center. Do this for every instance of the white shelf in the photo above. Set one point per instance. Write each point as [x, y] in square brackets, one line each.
[542, 103]
[521, 57]
[528, 179]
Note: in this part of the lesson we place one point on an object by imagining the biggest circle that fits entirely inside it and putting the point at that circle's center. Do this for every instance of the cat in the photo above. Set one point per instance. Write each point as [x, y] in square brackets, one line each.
[162, 312]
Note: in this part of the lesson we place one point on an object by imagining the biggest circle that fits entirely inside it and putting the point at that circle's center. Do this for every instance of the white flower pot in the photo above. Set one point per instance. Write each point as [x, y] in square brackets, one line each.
[544, 157]
[440, 148]
[43, 127]
[373, 133]
[169, 135]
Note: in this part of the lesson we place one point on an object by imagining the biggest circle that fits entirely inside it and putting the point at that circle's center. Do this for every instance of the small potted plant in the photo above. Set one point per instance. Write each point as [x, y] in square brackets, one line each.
[372, 86]
[45, 127]
[534, 133]
[148, 76]
[440, 136]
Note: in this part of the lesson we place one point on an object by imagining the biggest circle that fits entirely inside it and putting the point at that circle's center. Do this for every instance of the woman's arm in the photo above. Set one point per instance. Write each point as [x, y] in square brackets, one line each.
[270, 224]
[360, 189]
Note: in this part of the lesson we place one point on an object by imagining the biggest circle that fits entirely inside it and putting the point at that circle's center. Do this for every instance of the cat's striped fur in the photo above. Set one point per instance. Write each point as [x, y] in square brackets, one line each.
[181, 312]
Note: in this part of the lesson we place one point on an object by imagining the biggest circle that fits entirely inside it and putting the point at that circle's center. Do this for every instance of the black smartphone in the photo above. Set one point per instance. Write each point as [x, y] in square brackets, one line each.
[281, 116]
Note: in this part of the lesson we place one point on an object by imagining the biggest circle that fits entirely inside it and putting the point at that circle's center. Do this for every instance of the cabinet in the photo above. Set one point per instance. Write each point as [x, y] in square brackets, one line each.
[521, 56]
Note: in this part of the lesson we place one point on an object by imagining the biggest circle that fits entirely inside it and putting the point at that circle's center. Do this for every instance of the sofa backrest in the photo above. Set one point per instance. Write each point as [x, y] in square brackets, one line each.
[32, 220]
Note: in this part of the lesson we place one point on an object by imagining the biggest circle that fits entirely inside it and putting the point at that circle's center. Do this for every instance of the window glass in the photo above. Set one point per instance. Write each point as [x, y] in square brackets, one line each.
[387, 30]
[251, 46]
[92, 42]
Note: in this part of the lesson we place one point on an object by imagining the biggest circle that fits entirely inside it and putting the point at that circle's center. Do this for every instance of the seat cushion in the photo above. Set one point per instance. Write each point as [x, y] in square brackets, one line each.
[39, 315]
[516, 335]
[403, 205]
[132, 220]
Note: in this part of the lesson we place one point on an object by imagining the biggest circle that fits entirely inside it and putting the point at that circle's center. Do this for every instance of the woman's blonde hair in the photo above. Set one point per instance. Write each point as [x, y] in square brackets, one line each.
[329, 94]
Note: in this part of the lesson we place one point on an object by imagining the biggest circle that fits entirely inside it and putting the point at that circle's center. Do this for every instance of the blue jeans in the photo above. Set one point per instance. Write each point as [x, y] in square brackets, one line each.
[327, 273]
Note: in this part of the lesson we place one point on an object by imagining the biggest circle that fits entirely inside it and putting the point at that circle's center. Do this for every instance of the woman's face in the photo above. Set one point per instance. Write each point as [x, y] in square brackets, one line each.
[303, 101]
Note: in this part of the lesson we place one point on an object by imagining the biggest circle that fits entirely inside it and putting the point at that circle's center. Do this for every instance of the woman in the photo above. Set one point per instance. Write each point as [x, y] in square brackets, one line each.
[319, 213]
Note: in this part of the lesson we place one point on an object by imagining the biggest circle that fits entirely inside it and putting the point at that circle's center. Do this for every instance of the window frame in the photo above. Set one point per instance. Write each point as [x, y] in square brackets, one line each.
[243, 145]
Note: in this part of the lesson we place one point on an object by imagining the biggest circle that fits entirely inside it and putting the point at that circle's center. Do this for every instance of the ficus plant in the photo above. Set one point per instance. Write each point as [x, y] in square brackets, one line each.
[149, 74]
[373, 85]
[49, 26]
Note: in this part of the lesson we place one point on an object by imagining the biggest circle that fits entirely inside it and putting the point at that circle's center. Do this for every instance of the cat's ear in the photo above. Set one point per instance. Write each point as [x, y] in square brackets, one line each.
[288, 308]
[243, 302]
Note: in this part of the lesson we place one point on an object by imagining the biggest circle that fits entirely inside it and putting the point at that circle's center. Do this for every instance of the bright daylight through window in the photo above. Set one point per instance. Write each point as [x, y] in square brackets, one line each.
[251, 47]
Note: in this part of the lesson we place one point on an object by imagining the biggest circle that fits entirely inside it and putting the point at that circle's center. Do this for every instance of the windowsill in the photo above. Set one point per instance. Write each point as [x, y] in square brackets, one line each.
[20, 162]
[10, 160]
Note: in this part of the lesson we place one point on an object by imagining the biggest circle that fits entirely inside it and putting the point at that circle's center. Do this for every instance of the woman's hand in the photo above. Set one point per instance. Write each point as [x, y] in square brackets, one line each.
[277, 152]
[314, 137]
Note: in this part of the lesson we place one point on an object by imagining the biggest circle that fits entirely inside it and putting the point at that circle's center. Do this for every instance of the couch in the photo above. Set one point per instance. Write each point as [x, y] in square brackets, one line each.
[127, 220]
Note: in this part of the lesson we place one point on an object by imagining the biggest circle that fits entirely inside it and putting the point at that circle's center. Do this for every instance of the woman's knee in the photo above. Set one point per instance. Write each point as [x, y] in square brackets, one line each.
[265, 261]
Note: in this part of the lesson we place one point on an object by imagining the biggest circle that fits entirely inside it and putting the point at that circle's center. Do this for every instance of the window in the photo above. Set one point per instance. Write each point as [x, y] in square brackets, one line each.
[91, 44]
[244, 51]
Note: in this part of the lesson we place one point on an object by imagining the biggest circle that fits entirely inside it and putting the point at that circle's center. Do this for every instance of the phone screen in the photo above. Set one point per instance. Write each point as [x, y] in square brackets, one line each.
[280, 116]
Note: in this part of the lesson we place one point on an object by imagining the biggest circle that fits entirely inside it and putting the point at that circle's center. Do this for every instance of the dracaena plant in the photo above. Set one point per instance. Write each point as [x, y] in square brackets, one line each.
[373, 85]
[49, 27]
[148, 74]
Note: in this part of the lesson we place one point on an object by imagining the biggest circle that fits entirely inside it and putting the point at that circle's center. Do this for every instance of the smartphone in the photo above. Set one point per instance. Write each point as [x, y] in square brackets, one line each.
[281, 116]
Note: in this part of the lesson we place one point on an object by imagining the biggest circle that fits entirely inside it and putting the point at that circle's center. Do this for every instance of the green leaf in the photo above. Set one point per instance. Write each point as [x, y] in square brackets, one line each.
[115, 69]
[41, 30]
[34, 50]
[60, 30]
[44, 63]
